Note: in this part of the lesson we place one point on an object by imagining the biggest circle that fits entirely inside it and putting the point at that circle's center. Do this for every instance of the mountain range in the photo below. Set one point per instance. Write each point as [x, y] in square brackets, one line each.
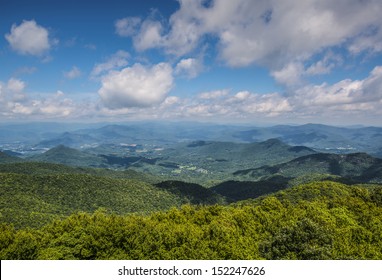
[34, 138]
[212, 163]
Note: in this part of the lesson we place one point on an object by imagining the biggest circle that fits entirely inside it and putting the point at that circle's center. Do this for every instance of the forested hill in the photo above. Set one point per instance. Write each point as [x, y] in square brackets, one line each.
[65, 155]
[34, 200]
[321, 220]
[5, 158]
[358, 167]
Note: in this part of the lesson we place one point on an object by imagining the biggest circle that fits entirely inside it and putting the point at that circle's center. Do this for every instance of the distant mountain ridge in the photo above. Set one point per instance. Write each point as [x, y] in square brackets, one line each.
[357, 166]
[320, 137]
[209, 155]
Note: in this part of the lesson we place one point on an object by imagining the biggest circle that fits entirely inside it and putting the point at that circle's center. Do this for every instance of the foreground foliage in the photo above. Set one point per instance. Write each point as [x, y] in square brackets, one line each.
[320, 220]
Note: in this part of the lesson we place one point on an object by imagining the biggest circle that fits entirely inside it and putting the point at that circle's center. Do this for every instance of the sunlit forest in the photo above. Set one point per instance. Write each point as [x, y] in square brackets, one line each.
[318, 220]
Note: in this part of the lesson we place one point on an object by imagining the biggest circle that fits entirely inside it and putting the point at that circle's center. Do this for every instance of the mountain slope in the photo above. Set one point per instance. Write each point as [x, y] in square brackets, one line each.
[358, 166]
[205, 160]
[33, 200]
[6, 158]
[65, 155]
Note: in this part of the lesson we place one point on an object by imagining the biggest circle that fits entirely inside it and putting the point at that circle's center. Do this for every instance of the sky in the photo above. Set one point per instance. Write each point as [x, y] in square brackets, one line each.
[242, 61]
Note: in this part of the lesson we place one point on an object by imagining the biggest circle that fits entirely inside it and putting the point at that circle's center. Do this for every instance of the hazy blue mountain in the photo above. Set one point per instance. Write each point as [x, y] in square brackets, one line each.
[29, 137]
[146, 133]
[69, 139]
[320, 137]
[34, 132]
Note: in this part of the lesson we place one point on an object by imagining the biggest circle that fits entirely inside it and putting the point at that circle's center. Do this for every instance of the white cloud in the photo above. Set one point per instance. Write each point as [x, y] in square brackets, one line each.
[212, 95]
[149, 36]
[189, 67]
[127, 26]
[320, 67]
[141, 92]
[74, 73]
[289, 75]
[343, 98]
[29, 38]
[15, 85]
[117, 60]
[346, 101]
[12, 91]
[54, 106]
[222, 105]
[15, 103]
[325, 65]
[136, 86]
[279, 35]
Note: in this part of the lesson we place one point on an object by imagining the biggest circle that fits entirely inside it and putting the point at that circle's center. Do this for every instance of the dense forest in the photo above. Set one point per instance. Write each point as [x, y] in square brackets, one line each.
[319, 220]
[190, 200]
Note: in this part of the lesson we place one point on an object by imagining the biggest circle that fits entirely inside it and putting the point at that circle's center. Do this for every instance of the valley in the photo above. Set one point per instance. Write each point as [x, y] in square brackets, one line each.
[56, 179]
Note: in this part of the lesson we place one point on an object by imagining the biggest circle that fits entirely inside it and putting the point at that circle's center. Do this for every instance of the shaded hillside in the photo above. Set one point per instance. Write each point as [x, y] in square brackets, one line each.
[6, 158]
[241, 190]
[318, 221]
[194, 193]
[358, 166]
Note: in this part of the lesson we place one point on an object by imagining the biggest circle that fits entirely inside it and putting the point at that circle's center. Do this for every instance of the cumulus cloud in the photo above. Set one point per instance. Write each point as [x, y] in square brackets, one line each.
[117, 60]
[290, 74]
[346, 97]
[189, 67]
[136, 86]
[352, 99]
[74, 73]
[149, 36]
[12, 91]
[16, 103]
[279, 35]
[225, 105]
[29, 38]
[141, 92]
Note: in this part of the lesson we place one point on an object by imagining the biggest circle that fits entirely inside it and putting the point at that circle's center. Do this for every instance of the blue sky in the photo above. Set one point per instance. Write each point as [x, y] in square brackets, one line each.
[251, 61]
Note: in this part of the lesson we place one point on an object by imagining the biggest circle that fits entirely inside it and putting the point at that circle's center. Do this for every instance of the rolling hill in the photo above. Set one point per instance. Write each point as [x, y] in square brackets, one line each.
[6, 158]
[209, 160]
[34, 200]
[65, 155]
[197, 161]
[358, 166]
